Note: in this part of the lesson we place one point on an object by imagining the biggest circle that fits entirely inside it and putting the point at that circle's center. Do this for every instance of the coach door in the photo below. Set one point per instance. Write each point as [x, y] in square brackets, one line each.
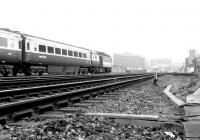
[28, 51]
[101, 61]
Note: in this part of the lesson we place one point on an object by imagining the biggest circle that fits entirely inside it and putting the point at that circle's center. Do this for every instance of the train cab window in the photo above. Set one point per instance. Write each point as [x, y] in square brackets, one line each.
[80, 54]
[75, 54]
[70, 52]
[57, 50]
[20, 45]
[50, 49]
[42, 48]
[28, 46]
[3, 42]
[64, 52]
[84, 55]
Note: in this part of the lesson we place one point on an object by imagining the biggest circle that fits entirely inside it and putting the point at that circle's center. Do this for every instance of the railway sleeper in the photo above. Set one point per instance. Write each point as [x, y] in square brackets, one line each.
[112, 89]
[71, 110]
[6, 99]
[63, 103]
[45, 92]
[100, 98]
[55, 91]
[17, 97]
[64, 90]
[4, 87]
[78, 87]
[109, 96]
[95, 94]
[84, 105]
[75, 100]
[3, 120]
[34, 94]
[85, 97]
[92, 101]
[84, 86]
[44, 108]
[71, 88]
[18, 115]
[101, 92]
[109, 90]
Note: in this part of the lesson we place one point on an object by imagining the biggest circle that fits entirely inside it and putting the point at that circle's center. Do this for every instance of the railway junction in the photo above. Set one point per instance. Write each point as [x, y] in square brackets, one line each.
[106, 106]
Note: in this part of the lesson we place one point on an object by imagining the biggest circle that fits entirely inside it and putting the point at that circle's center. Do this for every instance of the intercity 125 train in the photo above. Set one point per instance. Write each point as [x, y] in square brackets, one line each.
[23, 53]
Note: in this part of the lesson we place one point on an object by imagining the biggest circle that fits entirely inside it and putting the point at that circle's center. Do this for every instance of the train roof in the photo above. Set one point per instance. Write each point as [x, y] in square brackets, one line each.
[17, 32]
[103, 53]
[11, 31]
[56, 42]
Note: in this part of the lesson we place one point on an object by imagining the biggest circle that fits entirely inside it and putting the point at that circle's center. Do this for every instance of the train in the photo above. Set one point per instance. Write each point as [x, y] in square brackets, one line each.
[28, 54]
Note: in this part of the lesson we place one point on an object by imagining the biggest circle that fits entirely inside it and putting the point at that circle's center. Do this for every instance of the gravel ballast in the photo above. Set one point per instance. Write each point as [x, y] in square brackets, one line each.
[144, 98]
[80, 127]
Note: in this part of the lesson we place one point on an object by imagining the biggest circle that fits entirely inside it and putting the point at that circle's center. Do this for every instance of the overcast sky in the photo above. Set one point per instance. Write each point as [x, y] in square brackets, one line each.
[151, 28]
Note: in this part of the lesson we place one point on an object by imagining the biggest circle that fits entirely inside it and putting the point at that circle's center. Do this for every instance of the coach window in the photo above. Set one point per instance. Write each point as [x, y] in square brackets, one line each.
[70, 52]
[28, 46]
[20, 45]
[50, 49]
[42, 48]
[3, 42]
[80, 54]
[57, 50]
[84, 55]
[64, 52]
[11, 43]
[75, 54]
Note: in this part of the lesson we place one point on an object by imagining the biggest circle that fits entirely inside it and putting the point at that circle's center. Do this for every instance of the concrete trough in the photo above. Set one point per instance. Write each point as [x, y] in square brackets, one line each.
[133, 119]
[172, 97]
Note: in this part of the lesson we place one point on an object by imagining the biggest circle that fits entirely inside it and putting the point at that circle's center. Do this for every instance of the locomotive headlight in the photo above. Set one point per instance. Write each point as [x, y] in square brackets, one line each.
[9, 53]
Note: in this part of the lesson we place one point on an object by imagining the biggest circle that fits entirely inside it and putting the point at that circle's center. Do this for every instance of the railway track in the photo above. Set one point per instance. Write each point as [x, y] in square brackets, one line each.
[47, 80]
[61, 76]
[17, 103]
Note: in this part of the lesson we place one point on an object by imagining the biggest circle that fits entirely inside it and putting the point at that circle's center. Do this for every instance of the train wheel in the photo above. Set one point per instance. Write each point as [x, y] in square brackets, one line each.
[5, 72]
[40, 73]
[14, 73]
[27, 73]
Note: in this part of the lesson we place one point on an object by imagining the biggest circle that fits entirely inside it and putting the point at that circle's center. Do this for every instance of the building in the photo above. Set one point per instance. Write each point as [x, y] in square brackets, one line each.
[132, 63]
[160, 65]
[192, 55]
[189, 61]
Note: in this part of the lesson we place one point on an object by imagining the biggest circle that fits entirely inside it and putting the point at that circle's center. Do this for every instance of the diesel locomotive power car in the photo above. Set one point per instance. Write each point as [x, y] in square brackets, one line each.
[23, 53]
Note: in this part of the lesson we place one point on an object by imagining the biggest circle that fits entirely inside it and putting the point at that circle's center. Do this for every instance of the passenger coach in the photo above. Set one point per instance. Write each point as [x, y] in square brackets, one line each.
[23, 53]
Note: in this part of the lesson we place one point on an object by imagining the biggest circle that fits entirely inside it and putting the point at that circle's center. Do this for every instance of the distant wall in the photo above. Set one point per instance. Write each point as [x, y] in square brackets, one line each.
[118, 69]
